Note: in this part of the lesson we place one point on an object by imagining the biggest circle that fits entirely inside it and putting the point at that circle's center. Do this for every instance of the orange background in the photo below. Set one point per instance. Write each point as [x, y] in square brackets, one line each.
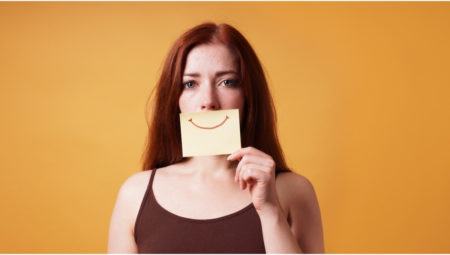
[361, 89]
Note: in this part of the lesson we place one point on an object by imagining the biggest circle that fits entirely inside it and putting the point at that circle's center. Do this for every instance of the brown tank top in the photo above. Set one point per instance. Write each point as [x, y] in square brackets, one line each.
[160, 231]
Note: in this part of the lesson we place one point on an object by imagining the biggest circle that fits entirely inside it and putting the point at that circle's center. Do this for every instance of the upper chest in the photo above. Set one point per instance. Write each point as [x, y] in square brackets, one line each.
[206, 201]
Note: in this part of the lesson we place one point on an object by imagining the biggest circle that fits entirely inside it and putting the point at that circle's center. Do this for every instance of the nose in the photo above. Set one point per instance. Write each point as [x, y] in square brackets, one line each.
[209, 100]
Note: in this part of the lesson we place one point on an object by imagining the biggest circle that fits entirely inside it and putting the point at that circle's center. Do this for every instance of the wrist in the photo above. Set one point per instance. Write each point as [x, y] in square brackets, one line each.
[270, 213]
[278, 237]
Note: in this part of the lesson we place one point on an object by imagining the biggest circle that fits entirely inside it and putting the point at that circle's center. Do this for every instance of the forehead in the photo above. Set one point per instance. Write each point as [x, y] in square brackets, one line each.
[206, 58]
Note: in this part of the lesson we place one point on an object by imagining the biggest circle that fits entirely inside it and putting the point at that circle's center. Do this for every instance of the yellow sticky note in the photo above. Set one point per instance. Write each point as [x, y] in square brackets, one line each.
[210, 133]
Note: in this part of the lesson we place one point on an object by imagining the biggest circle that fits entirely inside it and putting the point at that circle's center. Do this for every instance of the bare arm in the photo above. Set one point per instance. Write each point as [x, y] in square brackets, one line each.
[306, 222]
[278, 238]
[304, 232]
[272, 196]
[121, 230]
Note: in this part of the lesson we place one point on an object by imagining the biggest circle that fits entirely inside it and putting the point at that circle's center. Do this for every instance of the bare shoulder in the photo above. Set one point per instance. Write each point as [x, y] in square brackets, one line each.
[121, 230]
[294, 188]
[297, 195]
[136, 183]
[131, 194]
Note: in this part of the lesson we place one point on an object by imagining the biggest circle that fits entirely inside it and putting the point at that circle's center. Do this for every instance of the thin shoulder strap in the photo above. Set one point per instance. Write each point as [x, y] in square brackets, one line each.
[143, 204]
[152, 176]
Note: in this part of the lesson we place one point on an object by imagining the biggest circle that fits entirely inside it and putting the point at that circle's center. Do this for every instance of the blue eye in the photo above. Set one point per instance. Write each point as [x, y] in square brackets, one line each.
[189, 84]
[230, 83]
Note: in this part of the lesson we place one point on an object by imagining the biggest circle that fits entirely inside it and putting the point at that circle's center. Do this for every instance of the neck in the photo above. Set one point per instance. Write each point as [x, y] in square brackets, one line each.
[211, 167]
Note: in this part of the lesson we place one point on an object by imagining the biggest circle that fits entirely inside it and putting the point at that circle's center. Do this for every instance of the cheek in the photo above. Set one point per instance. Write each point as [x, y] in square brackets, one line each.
[241, 108]
[236, 101]
[240, 101]
[182, 103]
[232, 99]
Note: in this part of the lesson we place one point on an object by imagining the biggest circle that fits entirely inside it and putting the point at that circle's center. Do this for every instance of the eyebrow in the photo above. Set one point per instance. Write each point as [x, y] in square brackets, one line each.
[217, 74]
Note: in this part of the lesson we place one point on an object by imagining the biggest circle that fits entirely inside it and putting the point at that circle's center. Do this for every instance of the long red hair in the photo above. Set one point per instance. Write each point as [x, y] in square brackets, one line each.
[258, 127]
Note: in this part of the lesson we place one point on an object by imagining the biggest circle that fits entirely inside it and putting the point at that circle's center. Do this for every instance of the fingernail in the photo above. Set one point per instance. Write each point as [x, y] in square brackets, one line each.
[228, 158]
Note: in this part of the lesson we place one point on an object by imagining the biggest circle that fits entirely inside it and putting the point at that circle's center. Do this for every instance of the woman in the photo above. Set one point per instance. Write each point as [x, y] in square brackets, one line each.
[246, 202]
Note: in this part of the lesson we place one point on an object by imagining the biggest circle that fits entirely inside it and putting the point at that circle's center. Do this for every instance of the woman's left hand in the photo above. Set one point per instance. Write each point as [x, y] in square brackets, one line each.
[256, 170]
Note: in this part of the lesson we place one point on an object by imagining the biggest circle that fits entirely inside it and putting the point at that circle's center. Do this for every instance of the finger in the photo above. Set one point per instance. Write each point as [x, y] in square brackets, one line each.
[253, 172]
[267, 164]
[250, 173]
[241, 181]
[252, 176]
[246, 151]
[250, 183]
[250, 159]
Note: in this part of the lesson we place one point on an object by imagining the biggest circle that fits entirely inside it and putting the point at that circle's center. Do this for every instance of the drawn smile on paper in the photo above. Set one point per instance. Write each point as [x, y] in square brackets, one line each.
[213, 127]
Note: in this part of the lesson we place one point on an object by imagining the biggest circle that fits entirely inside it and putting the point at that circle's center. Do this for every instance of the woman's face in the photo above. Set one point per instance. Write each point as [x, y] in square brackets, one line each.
[211, 80]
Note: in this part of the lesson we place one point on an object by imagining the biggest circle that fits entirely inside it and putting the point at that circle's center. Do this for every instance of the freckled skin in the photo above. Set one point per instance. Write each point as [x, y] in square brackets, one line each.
[208, 91]
[210, 177]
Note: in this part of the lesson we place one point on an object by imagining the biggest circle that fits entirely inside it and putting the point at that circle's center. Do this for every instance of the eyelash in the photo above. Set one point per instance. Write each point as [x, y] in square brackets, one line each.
[233, 83]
